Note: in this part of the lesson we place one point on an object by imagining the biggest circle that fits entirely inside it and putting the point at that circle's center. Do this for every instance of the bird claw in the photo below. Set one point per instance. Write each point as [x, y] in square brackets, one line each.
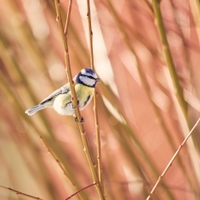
[76, 119]
[73, 106]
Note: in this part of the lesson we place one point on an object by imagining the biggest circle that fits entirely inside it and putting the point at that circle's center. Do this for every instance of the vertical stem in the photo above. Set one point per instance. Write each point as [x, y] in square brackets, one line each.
[99, 163]
[90, 35]
[168, 56]
[74, 98]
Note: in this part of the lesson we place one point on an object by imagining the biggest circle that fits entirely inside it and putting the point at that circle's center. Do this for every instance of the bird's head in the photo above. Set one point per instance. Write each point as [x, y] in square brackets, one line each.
[87, 77]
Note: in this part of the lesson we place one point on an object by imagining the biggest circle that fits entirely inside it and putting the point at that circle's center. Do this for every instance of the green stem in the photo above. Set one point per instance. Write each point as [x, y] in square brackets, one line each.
[168, 56]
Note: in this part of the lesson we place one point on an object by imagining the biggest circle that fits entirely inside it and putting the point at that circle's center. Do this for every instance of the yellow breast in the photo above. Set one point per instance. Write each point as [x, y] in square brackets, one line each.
[84, 95]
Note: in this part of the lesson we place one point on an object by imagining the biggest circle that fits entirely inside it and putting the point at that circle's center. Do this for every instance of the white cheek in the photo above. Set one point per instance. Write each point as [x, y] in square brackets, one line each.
[87, 81]
[88, 74]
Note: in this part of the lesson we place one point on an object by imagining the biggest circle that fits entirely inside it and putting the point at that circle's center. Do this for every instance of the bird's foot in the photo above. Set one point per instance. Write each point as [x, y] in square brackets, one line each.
[76, 119]
[73, 106]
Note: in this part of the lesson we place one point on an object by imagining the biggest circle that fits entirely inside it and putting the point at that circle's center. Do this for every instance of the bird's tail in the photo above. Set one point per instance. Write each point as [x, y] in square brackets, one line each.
[34, 109]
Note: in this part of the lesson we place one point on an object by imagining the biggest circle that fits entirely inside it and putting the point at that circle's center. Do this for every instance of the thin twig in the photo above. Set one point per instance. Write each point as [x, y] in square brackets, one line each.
[68, 17]
[80, 191]
[74, 101]
[57, 161]
[20, 193]
[59, 164]
[96, 122]
[90, 35]
[172, 159]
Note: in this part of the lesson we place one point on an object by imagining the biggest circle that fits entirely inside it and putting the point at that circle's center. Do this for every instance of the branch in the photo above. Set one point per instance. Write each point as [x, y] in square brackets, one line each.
[80, 191]
[20, 193]
[172, 160]
[74, 100]
[99, 163]
[168, 56]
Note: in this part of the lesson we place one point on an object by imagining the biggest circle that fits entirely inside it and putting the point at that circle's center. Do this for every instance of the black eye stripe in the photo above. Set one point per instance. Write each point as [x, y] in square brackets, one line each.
[91, 77]
[87, 80]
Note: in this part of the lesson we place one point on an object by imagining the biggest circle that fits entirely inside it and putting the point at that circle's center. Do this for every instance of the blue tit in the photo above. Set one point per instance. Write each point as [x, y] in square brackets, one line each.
[61, 99]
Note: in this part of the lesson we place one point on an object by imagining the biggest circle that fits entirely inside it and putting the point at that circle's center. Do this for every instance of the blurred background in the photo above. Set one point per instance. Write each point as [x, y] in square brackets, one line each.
[141, 121]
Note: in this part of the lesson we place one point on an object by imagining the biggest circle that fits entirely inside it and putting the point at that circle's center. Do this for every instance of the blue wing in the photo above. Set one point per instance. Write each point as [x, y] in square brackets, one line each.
[62, 90]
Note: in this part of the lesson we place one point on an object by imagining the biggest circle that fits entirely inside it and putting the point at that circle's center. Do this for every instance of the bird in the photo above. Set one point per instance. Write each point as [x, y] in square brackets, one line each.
[61, 99]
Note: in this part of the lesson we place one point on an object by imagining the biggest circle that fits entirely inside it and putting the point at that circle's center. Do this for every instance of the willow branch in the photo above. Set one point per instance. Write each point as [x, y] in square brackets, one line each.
[172, 160]
[59, 164]
[20, 193]
[74, 100]
[99, 163]
[168, 56]
[67, 62]
[88, 186]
